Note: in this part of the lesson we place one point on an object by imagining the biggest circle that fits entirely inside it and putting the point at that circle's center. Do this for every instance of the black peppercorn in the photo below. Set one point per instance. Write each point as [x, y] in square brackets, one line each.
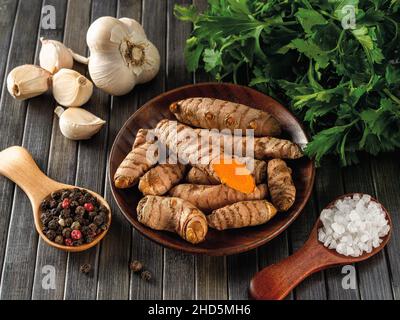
[146, 275]
[44, 205]
[75, 225]
[59, 239]
[93, 227]
[53, 224]
[80, 210]
[65, 195]
[136, 266]
[66, 232]
[68, 222]
[98, 220]
[51, 234]
[85, 268]
[53, 204]
[89, 239]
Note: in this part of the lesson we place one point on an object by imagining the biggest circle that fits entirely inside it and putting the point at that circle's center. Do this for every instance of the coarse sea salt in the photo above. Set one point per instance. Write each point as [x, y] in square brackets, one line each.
[353, 225]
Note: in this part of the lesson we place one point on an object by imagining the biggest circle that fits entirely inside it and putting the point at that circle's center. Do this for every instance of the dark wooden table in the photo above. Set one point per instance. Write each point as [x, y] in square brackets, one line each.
[26, 262]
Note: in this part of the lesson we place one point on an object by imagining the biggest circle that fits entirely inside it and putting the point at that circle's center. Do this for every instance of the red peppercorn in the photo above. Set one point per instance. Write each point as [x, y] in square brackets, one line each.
[76, 234]
[89, 207]
[68, 242]
[65, 203]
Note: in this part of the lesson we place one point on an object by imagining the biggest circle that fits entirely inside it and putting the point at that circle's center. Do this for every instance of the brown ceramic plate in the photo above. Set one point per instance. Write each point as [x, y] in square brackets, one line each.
[217, 243]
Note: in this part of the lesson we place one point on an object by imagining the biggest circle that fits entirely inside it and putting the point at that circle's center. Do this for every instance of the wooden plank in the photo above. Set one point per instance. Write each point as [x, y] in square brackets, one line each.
[8, 9]
[91, 164]
[63, 154]
[241, 268]
[116, 247]
[7, 17]
[17, 276]
[386, 171]
[151, 254]
[273, 252]
[374, 282]
[328, 186]
[211, 272]
[313, 288]
[179, 278]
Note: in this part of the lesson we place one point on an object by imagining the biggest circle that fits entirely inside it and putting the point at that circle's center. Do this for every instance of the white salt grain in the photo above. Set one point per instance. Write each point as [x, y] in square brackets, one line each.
[353, 225]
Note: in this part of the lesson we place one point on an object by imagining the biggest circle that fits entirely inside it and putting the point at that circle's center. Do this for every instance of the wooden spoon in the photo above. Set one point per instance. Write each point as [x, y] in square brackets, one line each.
[276, 281]
[18, 165]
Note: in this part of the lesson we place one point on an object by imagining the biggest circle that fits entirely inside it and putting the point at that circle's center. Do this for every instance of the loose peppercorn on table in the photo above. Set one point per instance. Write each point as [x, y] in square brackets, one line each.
[172, 275]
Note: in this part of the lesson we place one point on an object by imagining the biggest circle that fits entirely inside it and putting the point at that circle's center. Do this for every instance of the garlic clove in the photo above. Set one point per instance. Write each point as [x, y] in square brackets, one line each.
[28, 81]
[108, 74]
[133, 26]
[77, 123]
[71, 89]
[54, 56]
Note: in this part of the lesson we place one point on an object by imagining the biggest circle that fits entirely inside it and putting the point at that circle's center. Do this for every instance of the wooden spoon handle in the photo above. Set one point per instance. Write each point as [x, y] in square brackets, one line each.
[18, 165]
[276, 281]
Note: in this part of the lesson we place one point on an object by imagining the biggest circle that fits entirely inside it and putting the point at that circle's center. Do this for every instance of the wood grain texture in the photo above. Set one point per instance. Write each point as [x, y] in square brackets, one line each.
[314, 286]
[153, 13]
[328, 186]
[91, 158]
[374, 281]
[211, 272]
[116, 248]
[273, 252]
[7, 20]
[385, 170]
[62, 167]
[19, 259]
[241, 268]
[179, 268]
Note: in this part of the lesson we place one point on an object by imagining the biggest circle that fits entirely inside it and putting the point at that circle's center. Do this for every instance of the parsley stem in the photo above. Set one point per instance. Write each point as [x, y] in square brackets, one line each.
[391, 96]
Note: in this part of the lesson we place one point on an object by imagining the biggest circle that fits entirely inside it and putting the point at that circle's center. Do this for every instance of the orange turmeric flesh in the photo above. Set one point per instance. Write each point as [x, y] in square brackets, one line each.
[234, 174]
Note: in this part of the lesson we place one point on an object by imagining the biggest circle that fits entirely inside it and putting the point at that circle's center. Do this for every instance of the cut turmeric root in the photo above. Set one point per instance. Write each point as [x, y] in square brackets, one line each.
[234, 174]
[174, 215]
[241, 214]
[158, 180]
[136, 163]
[208, 198]
[210, 113]
[280, 184]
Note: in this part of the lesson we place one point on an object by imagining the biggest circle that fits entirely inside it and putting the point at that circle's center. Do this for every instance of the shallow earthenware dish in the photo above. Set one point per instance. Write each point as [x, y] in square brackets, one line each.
[217, 243]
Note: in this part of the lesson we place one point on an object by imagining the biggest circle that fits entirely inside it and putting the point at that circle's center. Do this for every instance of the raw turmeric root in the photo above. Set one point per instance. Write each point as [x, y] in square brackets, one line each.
[241, 214]
[198, 176]
[136, 163]
[175, 215]
[158, 180]
[208, 198]
[212, 113]
[280, 184]
[263, 147]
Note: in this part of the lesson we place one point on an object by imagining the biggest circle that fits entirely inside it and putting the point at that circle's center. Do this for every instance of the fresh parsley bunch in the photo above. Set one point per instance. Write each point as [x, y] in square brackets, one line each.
[340, 75]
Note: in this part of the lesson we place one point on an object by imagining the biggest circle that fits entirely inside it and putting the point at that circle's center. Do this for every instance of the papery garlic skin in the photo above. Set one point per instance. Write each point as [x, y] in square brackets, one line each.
[77, 123]
[28, 81]
[121, 56]
[54, 56]
[71, 89]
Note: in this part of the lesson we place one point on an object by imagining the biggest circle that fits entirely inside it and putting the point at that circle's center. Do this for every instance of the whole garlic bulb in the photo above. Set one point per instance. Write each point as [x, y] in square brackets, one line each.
[54, 56]
[28, 81]
[71, 89]
[121, 56]
[77, 123]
